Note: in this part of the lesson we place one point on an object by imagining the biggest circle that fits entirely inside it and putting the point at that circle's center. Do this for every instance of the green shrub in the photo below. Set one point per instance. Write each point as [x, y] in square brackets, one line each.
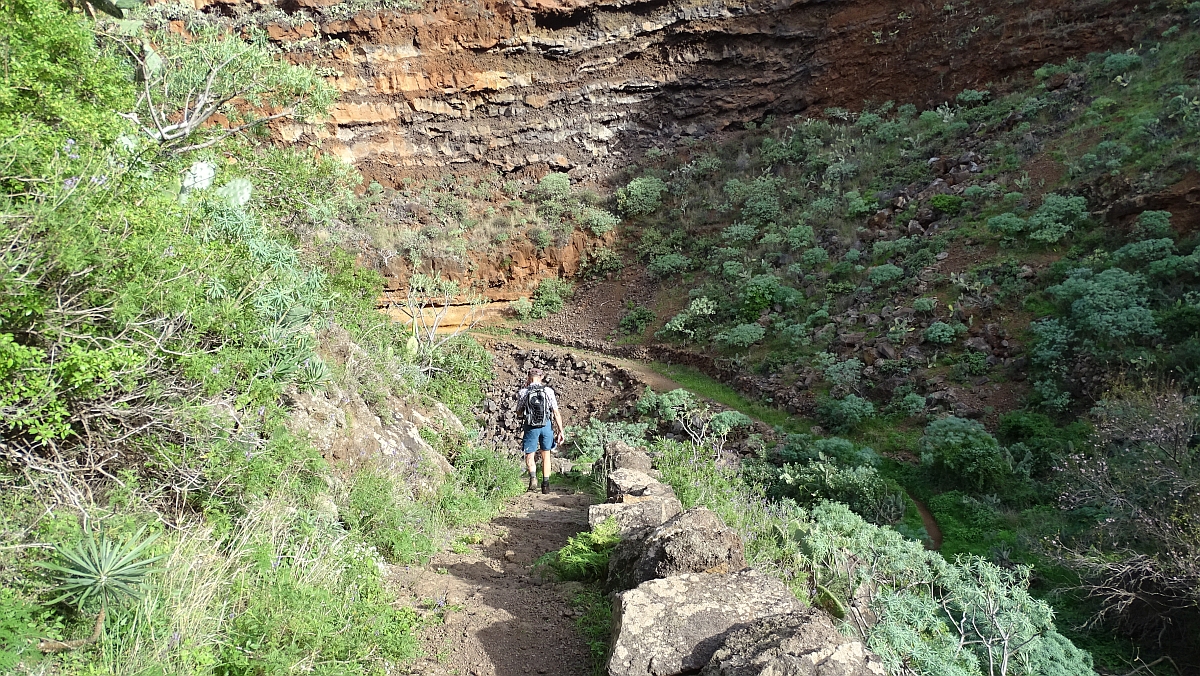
[924, 305]
[947, 204]
[667, 265]
[857, 206]
[684, 323]
[522, 308]
[970, 97]
[941, 333]
[636, 319]
[740, 233]
[909, 405]
[846, 413]
[587, 442]
[860, 488]
[1109, 308]
[600, 262]
[758, 295]
[814, 257]
[800, 236]
[598, 221]
[1056, 218]
[642, 196]
[912, 588]
[1153, 225]
[1143, 252]
[550, 297]
[740, 336]
[845, 375]
[963, 450]
[1007, 224]
[1123, 62]
[554, 186]
[887, 273]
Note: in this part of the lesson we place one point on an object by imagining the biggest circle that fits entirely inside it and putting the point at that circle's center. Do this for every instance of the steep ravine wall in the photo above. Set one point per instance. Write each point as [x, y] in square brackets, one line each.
[530, 86]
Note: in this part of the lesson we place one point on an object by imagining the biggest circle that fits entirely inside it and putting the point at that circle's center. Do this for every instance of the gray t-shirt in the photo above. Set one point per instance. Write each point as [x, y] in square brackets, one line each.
[551, 400]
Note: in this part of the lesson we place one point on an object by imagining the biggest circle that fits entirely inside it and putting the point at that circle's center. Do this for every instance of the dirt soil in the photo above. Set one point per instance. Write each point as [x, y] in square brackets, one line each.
[499, 617]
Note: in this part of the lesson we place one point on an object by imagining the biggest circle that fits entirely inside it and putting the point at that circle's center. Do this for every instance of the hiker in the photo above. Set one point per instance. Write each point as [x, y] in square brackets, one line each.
[539, 410]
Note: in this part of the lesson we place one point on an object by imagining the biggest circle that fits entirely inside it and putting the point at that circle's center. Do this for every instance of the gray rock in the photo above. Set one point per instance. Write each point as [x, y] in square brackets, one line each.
[623, 481]
[803, 643]
[674, 625]
[634, 516]
[630, 485]
[695, 541]
[620, 455]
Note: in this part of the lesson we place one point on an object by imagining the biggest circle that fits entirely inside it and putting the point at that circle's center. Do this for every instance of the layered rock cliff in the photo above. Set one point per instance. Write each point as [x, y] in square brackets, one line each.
[579, 85]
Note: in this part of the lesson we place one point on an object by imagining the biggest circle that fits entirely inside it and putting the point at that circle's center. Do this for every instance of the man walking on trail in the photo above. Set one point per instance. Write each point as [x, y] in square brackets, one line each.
[538, 407]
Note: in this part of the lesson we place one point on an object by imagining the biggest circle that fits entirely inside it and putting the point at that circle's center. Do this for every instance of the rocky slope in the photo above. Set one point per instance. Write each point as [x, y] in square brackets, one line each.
[538, 85]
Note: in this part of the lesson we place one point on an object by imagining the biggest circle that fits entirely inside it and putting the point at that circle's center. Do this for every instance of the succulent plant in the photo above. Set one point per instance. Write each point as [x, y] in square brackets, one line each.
[236, 192]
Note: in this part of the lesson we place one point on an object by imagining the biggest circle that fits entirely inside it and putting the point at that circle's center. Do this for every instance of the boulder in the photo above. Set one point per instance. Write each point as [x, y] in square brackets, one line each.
[803, 643]
[674, 625]
[620, 455]
[695, 541]
[630, 485]
[635, 516]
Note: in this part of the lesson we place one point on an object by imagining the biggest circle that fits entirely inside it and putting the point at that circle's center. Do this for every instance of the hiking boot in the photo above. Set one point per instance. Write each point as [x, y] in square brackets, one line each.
[545, 486]
[533, 483]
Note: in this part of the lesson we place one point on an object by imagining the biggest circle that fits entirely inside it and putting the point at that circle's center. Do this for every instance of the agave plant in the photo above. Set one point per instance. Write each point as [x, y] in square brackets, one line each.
[100, 569]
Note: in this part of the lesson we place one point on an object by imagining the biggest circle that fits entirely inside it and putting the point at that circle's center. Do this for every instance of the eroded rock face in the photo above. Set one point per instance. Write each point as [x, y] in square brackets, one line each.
[579, 85]
[341, 426]
[803, 643]
[695, 541]
[674, 625]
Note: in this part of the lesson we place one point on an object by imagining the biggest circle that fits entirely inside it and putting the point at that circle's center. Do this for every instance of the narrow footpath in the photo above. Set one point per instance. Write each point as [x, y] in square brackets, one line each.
[500, 617]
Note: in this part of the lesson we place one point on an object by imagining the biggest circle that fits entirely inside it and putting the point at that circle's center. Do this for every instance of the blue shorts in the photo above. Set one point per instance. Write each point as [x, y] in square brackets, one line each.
[538, 439]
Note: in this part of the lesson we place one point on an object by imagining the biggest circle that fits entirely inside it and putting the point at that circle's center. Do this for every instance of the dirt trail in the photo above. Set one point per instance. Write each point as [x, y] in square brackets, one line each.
[501, 619]
[653, 379]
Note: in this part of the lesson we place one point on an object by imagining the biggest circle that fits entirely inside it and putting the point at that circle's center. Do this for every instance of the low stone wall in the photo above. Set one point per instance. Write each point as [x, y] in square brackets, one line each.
[684, 601]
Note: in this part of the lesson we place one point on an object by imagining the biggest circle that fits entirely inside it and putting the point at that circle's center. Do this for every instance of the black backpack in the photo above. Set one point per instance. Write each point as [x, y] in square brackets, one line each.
[537, 407]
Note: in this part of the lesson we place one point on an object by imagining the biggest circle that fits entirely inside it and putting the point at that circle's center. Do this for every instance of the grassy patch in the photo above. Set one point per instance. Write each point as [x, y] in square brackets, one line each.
[595, 623]
[721, 393]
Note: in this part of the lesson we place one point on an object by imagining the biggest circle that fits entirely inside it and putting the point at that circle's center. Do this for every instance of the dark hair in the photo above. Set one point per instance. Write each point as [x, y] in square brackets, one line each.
[536, 372]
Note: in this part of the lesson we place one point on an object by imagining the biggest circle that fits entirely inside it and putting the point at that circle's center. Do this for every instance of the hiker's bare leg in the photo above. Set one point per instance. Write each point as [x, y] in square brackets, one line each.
[546, 471]
[531, 464]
